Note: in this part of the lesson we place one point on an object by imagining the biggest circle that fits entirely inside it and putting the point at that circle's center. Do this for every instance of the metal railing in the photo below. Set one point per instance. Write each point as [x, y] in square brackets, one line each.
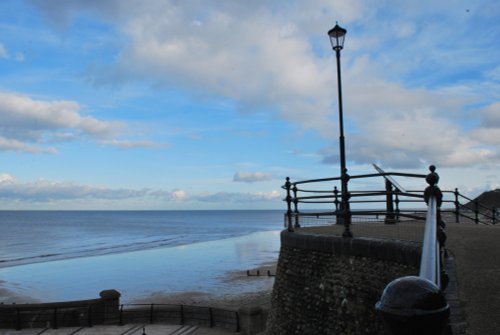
[393, 197]
[479, 213]
[21, 317]
[430, 261]
[324, 192]
[417, 305]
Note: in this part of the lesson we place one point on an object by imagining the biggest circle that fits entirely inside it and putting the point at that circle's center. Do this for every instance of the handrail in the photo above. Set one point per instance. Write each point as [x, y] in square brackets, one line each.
[430, 268]
[417, 305]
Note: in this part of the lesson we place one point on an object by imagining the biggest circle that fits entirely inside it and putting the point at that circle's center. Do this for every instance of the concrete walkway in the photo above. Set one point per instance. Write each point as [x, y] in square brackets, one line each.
[474, 259]
[123, 330]
[476, 250]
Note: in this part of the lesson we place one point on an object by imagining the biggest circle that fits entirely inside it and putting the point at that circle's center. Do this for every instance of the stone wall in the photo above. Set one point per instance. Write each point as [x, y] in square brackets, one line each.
[329, 284]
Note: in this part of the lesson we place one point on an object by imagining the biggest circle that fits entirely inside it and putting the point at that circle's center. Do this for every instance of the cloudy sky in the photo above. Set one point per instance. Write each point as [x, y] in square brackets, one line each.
[201, 104]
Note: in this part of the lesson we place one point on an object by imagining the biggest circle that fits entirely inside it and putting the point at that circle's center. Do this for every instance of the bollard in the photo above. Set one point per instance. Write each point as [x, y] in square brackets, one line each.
[110, 305]
[413, 306]
[252, 320]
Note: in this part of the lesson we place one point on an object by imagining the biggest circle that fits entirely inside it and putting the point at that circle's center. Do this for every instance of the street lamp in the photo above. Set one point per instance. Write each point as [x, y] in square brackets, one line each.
[337, 36]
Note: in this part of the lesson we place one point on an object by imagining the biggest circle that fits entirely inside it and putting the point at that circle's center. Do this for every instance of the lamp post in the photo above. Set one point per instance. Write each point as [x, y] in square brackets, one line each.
[337, 36]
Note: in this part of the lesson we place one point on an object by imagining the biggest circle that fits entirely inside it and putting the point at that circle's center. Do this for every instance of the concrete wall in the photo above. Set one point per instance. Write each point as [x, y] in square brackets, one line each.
[329, 284]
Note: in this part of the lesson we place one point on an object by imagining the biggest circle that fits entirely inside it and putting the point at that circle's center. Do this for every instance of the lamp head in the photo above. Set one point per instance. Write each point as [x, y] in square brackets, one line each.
[337, 36]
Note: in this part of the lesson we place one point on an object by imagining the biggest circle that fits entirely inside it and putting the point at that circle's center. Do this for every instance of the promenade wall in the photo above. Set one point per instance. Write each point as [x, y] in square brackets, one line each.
[103, 310]
[327, 284]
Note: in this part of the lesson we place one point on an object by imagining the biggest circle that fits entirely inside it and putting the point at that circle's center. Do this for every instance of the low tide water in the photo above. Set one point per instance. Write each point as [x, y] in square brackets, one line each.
[68, 255]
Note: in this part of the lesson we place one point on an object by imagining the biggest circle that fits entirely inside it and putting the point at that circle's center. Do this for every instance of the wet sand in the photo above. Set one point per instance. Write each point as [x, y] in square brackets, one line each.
[229, 301]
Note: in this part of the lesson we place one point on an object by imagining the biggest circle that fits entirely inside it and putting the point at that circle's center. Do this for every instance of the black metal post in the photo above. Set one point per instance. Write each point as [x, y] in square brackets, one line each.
[18, 319]
[55, 326]
[396, 201]
[457, 206]
[121, 316]
[476, 212]
[288, 204]
[151, 314]
[182, 315]
[389, 217]
[89, 316]
[296, 206]
[344, 177]
[338, 216]
[211, 317]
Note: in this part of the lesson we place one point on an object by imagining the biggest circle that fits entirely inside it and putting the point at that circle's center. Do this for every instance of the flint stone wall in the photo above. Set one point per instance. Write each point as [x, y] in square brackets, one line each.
[329, 285]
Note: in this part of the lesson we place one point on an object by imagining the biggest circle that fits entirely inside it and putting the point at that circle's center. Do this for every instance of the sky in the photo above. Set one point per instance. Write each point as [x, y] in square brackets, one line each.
[169, 104]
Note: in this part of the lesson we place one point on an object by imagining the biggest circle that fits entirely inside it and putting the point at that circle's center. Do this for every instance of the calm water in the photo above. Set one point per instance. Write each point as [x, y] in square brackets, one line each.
[62, 255]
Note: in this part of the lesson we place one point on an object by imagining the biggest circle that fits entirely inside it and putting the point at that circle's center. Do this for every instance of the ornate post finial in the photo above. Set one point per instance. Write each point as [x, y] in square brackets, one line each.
[432, 178]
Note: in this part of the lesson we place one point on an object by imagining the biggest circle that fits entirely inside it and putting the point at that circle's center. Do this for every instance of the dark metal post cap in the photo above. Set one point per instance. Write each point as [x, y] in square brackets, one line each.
[413, 305]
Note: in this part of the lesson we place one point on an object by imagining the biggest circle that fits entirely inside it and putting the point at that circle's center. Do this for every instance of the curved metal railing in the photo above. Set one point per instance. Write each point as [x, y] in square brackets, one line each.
[430, 265]
[399, 203]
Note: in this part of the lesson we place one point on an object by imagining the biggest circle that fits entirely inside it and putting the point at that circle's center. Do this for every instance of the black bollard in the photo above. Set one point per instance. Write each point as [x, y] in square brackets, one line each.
[413, 306]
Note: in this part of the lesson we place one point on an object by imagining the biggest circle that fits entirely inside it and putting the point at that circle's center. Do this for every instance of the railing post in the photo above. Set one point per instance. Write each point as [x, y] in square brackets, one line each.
[182, 314]
[345, 208]
[211, 317]
[89, 318]
[151, 311]
[457, 206]
[337, 202]
[55, 318]
[288, 199]
[120, 319]
[476, 211]
[18, 319]
[296, 206]
[389, 217]
[396, 201]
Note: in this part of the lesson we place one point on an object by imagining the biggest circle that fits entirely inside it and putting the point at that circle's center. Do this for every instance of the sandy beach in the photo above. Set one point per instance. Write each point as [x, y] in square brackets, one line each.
[230, 301]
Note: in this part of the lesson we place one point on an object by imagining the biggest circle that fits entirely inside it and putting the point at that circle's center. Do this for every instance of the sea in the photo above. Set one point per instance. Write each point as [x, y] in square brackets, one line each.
[71, 255]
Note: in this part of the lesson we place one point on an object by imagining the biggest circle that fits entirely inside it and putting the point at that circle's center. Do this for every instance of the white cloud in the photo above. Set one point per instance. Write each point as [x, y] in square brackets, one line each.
[15, 145]
[252, 177]
[267, 54]
[59, 193]
[30, 125]
[5, 178]
[490, 115]
[128, 144]
[43, 191]
[25, 117]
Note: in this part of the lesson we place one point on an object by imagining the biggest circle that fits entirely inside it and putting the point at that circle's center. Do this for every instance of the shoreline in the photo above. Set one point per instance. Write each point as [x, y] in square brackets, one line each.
[232, 301]
[112, 250]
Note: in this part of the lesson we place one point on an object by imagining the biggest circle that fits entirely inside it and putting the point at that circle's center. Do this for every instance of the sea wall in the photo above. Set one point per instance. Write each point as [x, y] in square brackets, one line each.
[329, 285]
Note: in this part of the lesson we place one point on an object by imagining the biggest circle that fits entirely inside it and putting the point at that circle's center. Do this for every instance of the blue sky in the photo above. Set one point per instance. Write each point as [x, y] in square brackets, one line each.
[159, 104]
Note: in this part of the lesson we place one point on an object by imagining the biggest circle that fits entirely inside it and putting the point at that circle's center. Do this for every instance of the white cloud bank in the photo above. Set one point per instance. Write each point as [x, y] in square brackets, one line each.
[252, 177]
[275, 54]
[43, 191]
[34, 126]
